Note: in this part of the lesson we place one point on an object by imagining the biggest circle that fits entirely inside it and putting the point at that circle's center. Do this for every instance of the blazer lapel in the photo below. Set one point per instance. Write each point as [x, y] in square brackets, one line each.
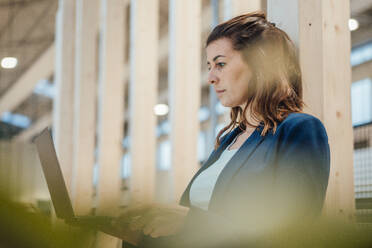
[233, 166]
[185, 199]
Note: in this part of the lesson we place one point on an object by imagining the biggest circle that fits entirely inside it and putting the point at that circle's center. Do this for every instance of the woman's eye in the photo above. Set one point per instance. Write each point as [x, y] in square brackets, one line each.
[218, 65]
[221, 64]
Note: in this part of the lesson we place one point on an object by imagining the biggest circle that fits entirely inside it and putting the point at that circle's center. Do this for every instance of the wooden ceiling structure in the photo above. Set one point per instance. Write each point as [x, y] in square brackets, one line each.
[27, 29]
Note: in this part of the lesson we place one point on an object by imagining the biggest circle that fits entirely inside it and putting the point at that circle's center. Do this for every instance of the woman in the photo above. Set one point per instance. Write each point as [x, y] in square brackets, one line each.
[270, 169]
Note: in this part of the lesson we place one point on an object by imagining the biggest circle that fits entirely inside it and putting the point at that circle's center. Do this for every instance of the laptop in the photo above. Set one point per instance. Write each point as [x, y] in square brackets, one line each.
[59, 194]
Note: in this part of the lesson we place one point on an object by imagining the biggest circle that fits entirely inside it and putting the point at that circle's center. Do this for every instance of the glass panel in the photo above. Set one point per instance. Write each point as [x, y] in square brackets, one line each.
[361, 101]
[164, 155]
[125, 166]
[361, 54]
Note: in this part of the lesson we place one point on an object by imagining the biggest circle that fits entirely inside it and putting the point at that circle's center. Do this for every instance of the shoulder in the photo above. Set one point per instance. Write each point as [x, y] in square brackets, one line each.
[302, 137]
[301, 122]
[294, 119]
[301, 130]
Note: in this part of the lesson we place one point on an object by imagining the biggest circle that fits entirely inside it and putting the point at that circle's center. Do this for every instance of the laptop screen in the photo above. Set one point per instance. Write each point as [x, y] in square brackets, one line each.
[53, 175]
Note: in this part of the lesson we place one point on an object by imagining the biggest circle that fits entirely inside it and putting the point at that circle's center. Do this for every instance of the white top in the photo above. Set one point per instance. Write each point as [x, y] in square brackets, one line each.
[202, 187]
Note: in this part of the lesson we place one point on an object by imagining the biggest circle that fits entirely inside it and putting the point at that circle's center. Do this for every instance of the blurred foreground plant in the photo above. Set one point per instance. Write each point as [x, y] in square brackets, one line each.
[324, 232]
[20, 227]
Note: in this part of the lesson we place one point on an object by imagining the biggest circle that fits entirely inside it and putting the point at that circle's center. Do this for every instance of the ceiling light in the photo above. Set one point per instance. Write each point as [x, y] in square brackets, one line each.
[161, 109]
[353, 24]
[9, 62]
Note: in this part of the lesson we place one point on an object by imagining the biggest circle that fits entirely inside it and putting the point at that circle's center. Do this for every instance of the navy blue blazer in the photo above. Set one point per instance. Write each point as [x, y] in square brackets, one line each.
[276, 177]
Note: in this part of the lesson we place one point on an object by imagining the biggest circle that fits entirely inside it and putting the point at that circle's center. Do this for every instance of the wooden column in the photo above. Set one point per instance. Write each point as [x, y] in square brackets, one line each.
[63, 106]
[36, 127]
[5, 163]
[87, 16]
[234, 8]
[111, 104]
[40, 188]
[15, 170]
[184, 89]
[324, 49]
[28, 163]
[143, 97]
[110, 111]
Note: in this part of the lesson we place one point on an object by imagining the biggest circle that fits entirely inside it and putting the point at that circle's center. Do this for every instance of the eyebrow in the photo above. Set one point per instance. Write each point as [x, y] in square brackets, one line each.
[216, 57]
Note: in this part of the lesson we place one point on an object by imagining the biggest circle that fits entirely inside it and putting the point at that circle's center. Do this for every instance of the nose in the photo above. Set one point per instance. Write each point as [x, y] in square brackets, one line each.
[212, 78]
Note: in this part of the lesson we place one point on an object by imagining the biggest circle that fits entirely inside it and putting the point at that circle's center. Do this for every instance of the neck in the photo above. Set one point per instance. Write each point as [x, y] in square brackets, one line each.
[249, 118]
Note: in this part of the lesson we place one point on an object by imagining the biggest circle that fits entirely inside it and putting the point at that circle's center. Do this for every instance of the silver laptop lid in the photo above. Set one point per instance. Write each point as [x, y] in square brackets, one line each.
[53, 175]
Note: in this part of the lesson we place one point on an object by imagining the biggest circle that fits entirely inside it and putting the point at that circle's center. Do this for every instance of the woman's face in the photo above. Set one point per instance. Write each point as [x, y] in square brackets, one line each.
[228, 73]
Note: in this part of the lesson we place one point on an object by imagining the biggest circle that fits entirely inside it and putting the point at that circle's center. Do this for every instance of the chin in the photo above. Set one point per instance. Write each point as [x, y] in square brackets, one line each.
[229, 104]
[224, 104]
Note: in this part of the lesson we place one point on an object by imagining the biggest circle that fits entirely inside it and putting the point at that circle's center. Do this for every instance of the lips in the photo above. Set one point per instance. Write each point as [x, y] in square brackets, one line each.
[219, 91]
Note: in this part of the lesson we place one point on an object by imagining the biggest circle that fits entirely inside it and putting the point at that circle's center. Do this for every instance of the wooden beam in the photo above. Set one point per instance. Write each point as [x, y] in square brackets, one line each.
[28, 163]
[63, 105]
[44, 68]
[110, 105]
[143, 97]
[85, 104]
[362, 71]
[184, 89]
[361, 36]
[232, 8]
[13, 175]
[359, 6]
[35, 128]
[111, 92]
[324, 49]
[5, 168]
[24, 86]
[325, 63]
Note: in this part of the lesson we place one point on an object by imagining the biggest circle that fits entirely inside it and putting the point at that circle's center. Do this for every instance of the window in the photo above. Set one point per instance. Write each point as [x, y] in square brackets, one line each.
[17, 120]
[363, 172]
[45, 88]
[220, 109]
[361, 54]
[95, 174]
[202, 153]
[164, 155]
[361, 102]
[203, 113]
[163, 128]
[219, 127]
[125, 166]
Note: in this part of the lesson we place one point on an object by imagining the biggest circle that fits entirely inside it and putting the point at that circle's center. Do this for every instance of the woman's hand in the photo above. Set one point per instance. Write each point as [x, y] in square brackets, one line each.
[154, 219]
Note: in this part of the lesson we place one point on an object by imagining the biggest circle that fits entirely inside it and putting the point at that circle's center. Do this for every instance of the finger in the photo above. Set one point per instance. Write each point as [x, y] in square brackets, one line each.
[167, 228]
[145, 219]
[132, 222]
[162, 231]
[148, 215]
[137, 224]
[157, 223]
[149, 210]
[157, 233]
[132, 214]
[148, 229]
[135, 210]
